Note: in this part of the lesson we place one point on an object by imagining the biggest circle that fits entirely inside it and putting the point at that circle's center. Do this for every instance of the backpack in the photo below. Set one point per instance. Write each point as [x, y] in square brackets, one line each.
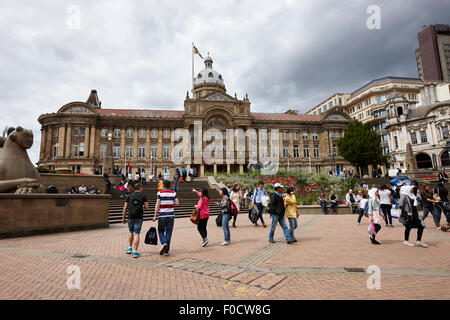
[253, 215]
[234, 210]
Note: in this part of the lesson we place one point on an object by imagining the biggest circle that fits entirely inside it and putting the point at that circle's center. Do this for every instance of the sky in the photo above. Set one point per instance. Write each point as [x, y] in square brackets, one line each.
[284, 54]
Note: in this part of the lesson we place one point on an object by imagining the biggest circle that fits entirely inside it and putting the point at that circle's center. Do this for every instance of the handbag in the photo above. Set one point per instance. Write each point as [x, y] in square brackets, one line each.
[151, 237]
[195, 216]
[219, 220]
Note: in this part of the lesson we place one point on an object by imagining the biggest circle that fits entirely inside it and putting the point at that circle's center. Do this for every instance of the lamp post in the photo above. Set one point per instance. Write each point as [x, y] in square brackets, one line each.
[108, 160]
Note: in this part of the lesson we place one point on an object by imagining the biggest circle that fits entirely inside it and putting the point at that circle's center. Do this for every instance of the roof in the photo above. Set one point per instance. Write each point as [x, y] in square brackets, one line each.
[141, 113]
[285, 117]
[385, 79]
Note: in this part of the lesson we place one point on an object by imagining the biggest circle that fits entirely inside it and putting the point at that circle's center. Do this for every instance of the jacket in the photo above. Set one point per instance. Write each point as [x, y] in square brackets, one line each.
[276, 205]
[203, 206]
[225, 205]
[291, 207]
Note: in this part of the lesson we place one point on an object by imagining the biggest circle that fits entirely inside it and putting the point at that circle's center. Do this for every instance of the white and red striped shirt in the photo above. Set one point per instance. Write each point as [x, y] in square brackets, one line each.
[166, 208]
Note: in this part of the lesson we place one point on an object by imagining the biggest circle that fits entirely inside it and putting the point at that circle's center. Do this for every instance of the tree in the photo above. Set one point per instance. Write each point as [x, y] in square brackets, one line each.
[361, 145]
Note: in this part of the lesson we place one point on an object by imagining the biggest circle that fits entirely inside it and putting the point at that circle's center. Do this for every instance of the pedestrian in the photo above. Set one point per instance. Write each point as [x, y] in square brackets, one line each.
[333, 202]
[291, 213]
[191, 174]
[374, 214]
[428, 205]
[160, 176]
[130, 176]
[203, 208]
[257, 201]
[363, 207]
[82, 189]
[443, 177]
[225, 206]
[277, 210]
[236, 196]
[184, 171]
[386, 204]
[122, 190]
[350, 200]
[137, 177]
[409, 216]
[166, 201]
[143, 177]
[134, 205]
[323, 202]
[442, 192]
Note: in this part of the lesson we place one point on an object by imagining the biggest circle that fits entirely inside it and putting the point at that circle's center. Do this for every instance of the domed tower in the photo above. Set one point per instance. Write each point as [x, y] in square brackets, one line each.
[208, 80]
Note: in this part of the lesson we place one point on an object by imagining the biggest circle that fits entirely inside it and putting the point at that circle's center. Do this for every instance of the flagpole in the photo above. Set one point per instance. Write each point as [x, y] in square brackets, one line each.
[192, 52]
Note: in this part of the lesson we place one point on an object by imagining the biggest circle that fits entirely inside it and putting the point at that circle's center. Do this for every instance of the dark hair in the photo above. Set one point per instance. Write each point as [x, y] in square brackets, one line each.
[205, 193]
[289, 190]
[261, 182]
[138, 186]
[166, 184]
[364, 196]
[383, 187]
[235, 186]
[224, 191]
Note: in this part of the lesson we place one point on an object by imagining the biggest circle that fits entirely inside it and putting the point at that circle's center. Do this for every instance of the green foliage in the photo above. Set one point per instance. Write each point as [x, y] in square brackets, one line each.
[361, 145]
[45, 170]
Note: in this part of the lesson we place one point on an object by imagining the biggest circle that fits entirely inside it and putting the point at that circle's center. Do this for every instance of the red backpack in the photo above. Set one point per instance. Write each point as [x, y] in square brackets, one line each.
[234, 209]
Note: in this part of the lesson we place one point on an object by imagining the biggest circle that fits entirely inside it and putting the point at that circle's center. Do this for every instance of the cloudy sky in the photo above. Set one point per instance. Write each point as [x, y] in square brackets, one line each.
[137, 54]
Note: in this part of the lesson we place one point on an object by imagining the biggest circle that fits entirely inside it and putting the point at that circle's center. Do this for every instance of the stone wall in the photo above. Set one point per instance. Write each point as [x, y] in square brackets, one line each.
[64, 181]
[30, 214]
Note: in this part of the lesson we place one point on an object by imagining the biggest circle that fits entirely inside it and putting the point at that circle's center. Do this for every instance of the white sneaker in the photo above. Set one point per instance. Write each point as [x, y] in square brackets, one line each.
[421, 244]
[407, 243]
[225, 243]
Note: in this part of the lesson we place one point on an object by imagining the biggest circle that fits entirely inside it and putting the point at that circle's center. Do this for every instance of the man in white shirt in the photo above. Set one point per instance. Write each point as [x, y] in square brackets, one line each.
[386, 204]
[350, 199]
[143, 177]
[363, 207]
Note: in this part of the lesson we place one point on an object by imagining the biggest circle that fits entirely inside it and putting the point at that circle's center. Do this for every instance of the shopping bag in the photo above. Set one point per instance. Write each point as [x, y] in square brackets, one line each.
[372, 229]
[151, 237]
[395, 213]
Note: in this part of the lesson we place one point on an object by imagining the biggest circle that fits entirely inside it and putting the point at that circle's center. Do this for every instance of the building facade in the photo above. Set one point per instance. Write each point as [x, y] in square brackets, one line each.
[433, 54]
[424, 126]
[86, 138]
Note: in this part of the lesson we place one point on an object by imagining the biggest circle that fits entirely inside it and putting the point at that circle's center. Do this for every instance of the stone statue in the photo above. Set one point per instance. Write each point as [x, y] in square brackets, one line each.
[17, 172]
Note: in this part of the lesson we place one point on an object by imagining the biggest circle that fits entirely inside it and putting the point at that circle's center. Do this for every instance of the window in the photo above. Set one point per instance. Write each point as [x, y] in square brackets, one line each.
[320, 110]
[285, 151]
[76, 132]
[314, 113]
[335, 149]
[210, 75]
[318, 168]
[116, 150]
[81, 151]
[75, 149]
[129, 150]
[368, 113]
[386, 150]
[141, 151]
[305, 136]
[104, 133]
[166, 150]
[383, 125]
[154, 150]
[340, 101]
[367, 102]
[361, 115]
[142, 134]
[116, 133]
[306, 151]
[129, 133]
[166, 134]
[285, 135]
[385, 138]
[445, 132]
[55, 150]
[413, 138]
[296, 153]
[82, 131]
[103, 150]
[411, 96]
[423, 136]
[154, 134]
[316, 151]
[375, 114]
[396, 141]
[324, 108]
[330, 104]
[295, 135]
[315, 136]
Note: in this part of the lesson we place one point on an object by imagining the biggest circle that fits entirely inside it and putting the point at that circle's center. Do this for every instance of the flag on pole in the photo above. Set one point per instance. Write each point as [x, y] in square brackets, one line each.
[195, 51]
[128, 162]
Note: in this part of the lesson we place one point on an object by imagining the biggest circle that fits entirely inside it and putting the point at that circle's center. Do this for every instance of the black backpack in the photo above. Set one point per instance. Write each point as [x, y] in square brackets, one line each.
[219, 220]
[151, 237]
[253, 215]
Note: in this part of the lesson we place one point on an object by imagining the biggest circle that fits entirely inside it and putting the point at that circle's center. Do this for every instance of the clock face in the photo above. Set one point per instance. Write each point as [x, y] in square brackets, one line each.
[216, 123]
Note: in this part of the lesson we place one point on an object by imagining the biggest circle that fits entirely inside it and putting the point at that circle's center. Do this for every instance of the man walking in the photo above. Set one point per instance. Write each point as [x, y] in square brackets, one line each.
[134, 204]
[257, 200]
[276, 210]
[166, 200]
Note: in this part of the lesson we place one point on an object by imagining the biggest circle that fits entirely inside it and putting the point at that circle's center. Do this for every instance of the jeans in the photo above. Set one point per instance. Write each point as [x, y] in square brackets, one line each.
[201, 227]
[293, 224]
[395, 203]
[333, 206]
[134, 225]
[165, 228]
[260, 211]
[386, 209]
[432, 209]
[276, 219]
[323, 204]
[226, 228]
[419, 233]
[361, 214]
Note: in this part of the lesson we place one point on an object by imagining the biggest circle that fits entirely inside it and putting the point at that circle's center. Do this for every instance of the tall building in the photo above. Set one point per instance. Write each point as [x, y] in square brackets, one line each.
[433, 54]
[87, 138]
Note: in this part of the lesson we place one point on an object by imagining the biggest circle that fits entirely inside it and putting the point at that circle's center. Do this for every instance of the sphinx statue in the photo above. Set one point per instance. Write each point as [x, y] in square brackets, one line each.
[17, 172]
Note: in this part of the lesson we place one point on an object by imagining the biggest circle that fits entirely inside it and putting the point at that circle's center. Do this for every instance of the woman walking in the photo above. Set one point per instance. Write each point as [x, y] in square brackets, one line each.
[428, 205]
[236, 196]
[409, 216]
[225, 207]
[203, 208]
[291, 211]
[323, 202]
[386, 204]
[374, 213]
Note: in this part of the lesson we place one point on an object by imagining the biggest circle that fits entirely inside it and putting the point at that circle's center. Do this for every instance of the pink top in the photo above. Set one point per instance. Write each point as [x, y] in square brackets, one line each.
[203, 206]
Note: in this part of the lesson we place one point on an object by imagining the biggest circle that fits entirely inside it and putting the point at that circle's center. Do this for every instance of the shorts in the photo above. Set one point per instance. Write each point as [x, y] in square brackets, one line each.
[134, 225]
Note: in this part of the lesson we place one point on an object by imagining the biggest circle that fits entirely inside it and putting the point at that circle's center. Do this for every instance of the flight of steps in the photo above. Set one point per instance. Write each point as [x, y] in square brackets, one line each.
[185, 195]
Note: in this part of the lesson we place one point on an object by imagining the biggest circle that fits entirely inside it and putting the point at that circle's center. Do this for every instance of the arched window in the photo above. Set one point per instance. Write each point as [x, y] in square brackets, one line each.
[220, 77]
[400, 111]
[199, 76]
[210, 75]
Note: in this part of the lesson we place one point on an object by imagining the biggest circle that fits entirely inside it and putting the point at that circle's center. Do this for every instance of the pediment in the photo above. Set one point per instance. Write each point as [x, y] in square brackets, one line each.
[336, 116]
[77, 108]
[218, 96]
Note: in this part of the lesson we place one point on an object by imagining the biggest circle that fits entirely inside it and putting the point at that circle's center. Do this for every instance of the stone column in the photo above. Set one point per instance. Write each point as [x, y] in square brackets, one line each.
[92, 144]
[61, 140]
[172, 142]
[43, 143]
[228, 168]
[160, 144]
[147, 150]
[135, 145]
[241, 168]
[202, 170]
[68, 148]
[86, 141]
[215, 168]
[48, 144]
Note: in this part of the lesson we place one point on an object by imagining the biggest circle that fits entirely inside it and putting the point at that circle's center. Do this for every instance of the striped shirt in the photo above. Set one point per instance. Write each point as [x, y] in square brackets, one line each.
[167, 198]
